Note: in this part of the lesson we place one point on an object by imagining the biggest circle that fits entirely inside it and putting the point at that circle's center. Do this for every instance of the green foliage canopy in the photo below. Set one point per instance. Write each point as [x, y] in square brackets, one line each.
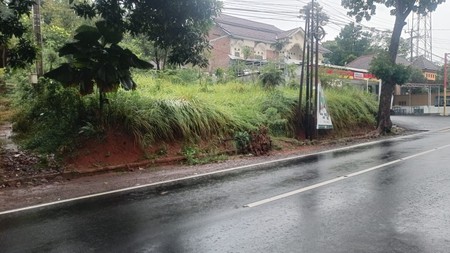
[417, 76]
[351, 43]
[97, 59]
[441, 75]
[180, 26]
[387, 71]
[401, 10]
[11, 26]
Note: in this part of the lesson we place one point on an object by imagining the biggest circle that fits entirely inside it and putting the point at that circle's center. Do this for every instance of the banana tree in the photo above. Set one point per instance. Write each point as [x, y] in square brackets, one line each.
[96, 59]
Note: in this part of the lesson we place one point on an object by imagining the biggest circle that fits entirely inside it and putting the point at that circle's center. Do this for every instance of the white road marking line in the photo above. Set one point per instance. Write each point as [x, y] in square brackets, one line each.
[311, 187]
[205, 174]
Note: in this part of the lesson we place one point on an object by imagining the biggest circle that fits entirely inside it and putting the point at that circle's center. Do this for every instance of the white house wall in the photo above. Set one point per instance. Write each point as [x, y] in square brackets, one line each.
[294, 49]
[259, 48]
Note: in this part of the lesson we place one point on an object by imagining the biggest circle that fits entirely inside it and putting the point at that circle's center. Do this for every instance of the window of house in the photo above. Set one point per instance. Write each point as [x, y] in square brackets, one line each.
[237, 54]
[401, 102]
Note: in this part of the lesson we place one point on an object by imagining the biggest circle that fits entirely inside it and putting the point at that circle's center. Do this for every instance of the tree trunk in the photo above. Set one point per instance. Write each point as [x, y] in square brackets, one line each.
[166, 53]
[384, 108]
[2, 56]
[387, 89]
[157, 61]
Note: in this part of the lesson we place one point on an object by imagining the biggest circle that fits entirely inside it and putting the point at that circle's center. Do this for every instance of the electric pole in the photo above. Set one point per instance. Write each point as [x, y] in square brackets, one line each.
[38, 37]
[445, 83]
[313, 34]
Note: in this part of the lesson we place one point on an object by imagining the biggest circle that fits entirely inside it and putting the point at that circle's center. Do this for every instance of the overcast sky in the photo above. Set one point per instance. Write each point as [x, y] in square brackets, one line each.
[283, 14]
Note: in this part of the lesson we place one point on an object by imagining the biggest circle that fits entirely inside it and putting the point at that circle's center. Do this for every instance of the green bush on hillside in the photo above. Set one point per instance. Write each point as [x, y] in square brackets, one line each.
[152, 120]
[161, 111]
[50, 115]
[351, 108]
[280, 112]
[271, 76]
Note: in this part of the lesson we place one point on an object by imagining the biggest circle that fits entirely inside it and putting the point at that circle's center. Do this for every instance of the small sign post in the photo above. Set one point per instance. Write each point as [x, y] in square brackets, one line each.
[323, 118]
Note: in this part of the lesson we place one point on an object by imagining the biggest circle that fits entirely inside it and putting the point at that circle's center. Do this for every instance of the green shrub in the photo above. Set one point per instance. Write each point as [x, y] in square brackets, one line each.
[50, 118]
[280, 112]
[190, 153]
[242, 142]
[277, 125]
[161, 111]
[182, 76]
[271, 76]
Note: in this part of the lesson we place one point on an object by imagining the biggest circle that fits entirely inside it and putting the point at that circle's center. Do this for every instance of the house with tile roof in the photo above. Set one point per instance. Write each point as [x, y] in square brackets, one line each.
[428, 68]
[364, 61]
[238, 39]
[412, 98]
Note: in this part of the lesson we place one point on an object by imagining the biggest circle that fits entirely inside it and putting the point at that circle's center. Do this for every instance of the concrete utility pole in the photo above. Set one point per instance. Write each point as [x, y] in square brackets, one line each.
[313, 34]
[311, 115]
[38, 36]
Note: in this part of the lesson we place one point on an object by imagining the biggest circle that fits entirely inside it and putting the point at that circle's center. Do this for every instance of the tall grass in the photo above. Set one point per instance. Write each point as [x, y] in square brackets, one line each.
[153, 119]
[163, 111]
[249, 106]
[351, 108]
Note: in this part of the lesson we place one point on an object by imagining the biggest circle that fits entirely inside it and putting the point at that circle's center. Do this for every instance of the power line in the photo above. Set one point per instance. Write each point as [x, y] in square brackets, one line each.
[258, 17]
[288, 12]
[254, 7]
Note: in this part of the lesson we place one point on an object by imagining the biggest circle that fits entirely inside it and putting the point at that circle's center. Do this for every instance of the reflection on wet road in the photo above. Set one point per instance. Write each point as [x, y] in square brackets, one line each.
[402, 206]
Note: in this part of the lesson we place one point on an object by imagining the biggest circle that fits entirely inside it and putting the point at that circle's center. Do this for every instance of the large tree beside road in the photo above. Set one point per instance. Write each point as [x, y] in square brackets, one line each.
[97, 59]
[351, 43]
[16, 48]
[401, 9]
[179, 28]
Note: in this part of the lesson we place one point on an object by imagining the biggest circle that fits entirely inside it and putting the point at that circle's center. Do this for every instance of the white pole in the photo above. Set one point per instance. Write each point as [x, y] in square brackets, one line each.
[379, 89]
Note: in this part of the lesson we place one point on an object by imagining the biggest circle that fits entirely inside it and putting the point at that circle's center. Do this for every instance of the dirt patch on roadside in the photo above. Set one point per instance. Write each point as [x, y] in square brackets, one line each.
[112, 148]
[116, 148]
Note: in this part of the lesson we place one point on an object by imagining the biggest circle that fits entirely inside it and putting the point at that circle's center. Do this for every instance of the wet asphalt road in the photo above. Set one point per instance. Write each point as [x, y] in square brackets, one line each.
[392, 196]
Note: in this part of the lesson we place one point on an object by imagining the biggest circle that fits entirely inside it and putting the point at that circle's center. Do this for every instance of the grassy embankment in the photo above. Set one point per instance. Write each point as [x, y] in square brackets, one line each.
[165, 110]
